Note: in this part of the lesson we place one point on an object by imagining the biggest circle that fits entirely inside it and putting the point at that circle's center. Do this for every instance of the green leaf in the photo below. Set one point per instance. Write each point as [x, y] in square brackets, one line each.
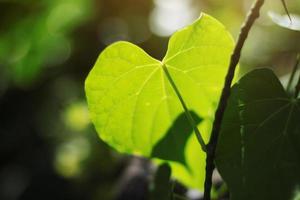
[291, 22]
[259, 145]
[45, 38]
[133, 105]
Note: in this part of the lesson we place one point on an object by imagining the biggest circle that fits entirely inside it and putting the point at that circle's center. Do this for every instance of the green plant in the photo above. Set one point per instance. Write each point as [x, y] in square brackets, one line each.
[146, 107]
[39, 39]
[135, 97]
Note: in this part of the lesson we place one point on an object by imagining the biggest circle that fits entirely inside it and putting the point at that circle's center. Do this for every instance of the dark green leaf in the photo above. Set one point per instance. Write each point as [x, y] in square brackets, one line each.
[259, 145]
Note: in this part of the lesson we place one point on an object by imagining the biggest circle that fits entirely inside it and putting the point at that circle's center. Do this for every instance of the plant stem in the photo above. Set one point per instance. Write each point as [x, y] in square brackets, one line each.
[211, 146]
[186, 110]
[293, 73]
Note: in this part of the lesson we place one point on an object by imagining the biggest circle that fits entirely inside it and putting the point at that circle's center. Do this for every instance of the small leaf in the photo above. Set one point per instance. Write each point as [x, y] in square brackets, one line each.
[133, 105]
[285, 22]
[259, 145]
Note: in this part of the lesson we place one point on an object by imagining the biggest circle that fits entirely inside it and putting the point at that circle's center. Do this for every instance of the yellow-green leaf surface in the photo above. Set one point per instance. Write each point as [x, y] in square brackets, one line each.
[133, 105]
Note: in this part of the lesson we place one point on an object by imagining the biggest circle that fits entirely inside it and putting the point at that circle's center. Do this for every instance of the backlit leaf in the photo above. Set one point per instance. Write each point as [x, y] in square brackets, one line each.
[133, 105]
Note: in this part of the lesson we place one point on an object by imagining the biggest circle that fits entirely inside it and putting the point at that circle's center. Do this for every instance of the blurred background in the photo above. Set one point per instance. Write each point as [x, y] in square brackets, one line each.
[48, 147]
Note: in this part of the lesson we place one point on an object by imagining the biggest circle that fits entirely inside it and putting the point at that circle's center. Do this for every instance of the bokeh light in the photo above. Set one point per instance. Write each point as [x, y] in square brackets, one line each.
[171, 15]
[69, 157]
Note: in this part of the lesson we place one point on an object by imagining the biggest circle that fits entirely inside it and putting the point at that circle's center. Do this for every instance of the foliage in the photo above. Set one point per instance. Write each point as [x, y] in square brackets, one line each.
[131, 99]
[46, 50]
[40, 39]
[143, 106]
[258, 148]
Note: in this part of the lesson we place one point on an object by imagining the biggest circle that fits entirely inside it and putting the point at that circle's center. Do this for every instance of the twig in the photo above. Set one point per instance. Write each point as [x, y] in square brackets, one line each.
[286, 10]
[211, 146]
[293, 73]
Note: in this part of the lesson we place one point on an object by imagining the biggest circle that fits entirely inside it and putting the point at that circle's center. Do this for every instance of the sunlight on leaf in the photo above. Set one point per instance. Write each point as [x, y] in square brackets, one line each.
[133, 105]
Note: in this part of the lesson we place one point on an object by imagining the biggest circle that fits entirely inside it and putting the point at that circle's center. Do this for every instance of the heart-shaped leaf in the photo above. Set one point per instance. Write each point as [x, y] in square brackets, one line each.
[133, 105]
[259, 145]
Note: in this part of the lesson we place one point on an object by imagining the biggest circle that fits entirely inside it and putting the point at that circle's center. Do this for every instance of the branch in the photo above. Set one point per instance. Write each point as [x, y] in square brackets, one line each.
[286, 9]
[211, 146]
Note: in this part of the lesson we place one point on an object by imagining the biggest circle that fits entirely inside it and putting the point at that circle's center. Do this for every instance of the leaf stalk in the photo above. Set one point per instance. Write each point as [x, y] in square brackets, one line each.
[186, 110]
